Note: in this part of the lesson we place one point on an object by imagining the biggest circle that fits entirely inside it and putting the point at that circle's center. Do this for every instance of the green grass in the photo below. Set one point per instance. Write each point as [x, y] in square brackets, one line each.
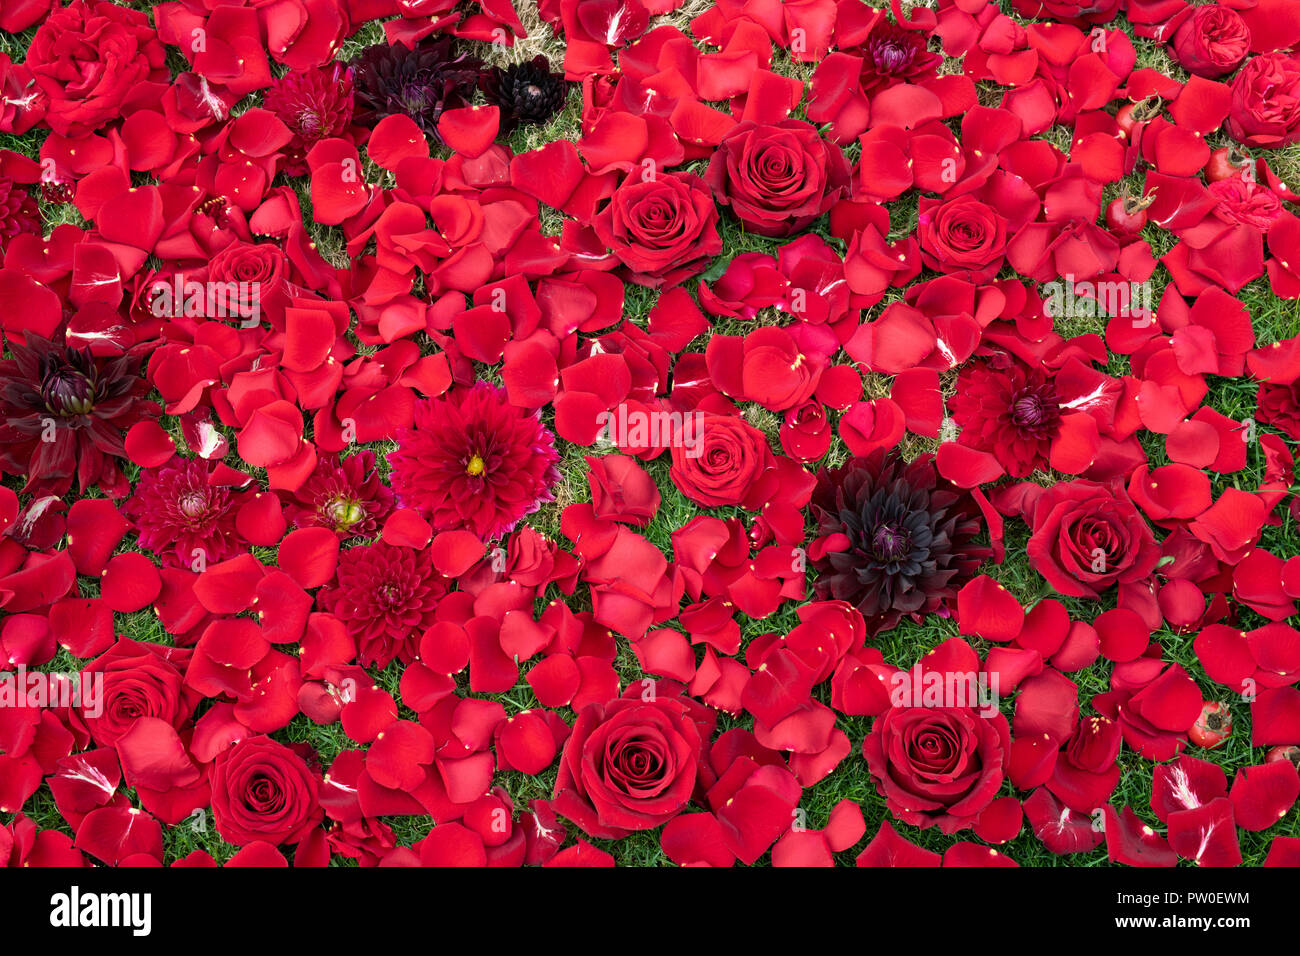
[1273, 320]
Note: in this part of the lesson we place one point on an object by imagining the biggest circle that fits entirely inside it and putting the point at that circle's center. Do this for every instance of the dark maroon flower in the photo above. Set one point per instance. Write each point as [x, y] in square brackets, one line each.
[420, 81]
[18, 212]
[473, 461]
[347, 497]
[1012, 413]
[180, 516]
[894, 539]
[891, 55]
[526, 93]
[63, 413]
[386, 597]
[315, 104]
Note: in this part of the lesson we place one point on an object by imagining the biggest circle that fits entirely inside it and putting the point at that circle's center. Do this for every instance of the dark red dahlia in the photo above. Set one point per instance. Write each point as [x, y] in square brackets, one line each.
[891, 55]
[420, 81]
[347, 497]
[1012, 413]
[315, 104]
[527, 93]
[386, 596]
[181, 517]
[63, 413]
[894, 539]
[18, 212]
[474, 461]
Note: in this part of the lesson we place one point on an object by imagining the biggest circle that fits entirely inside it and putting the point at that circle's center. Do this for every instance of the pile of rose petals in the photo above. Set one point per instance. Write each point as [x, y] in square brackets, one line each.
[621, 461]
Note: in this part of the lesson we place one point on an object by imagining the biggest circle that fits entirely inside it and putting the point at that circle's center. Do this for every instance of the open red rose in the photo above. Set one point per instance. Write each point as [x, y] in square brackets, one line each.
[661, 227]
[1212, 41]
[259, 273]
[718, 459]
[631, 764]
[262, 790]
[1265, 108]
[139, 680]
[1089, 536]
[963, 236]
[938, 766]
[88, 57]
[777, 178]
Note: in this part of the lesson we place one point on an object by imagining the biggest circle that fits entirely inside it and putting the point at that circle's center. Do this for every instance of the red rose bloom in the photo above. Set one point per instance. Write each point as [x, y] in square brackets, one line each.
[1089, 536]
[1279, 405]
[1246, 203]
[720, 461]
[938, 766]
[386, 597]
[631, 764]
[1265, 108]
[777, 178]
[88, 57]
[662, 229]
[1012, 413]
[962, 236]
[18, 212]
[473, 461]
[1212, 41]
[262, 790]
[140, 680]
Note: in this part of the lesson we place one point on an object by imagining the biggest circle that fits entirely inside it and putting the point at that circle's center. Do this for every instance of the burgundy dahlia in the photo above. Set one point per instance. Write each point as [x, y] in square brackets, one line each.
[347, 497]
[420, 81]
[527, 93]
[18, 212]
[473, 461]
[386, 596]
[181, 517]
[894, 538]
[892, 54]
[315, 104]
[63, 413]
[1013, 413]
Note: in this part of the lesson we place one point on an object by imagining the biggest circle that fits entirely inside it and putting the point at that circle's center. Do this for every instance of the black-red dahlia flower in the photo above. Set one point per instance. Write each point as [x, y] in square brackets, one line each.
[347, 497]
[63, 413]
[473, 461]
[891, 54]
[1013, 413]
[179, 515]
[526, 93]
[419, 81]
[894, 538]
[386, 596]
[315, 104]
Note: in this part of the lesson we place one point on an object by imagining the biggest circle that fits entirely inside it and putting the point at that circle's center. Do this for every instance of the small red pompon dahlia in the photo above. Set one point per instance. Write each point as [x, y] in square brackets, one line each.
[894, 539]
[1013, 413]
[63, 412]
[473, 461]
[18, 212]
[181, 517]
[386, 597]
[315, 104]
[347, 497]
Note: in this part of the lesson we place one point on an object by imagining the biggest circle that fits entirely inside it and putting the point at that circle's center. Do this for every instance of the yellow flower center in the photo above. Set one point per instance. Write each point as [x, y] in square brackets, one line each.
[475, 466]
